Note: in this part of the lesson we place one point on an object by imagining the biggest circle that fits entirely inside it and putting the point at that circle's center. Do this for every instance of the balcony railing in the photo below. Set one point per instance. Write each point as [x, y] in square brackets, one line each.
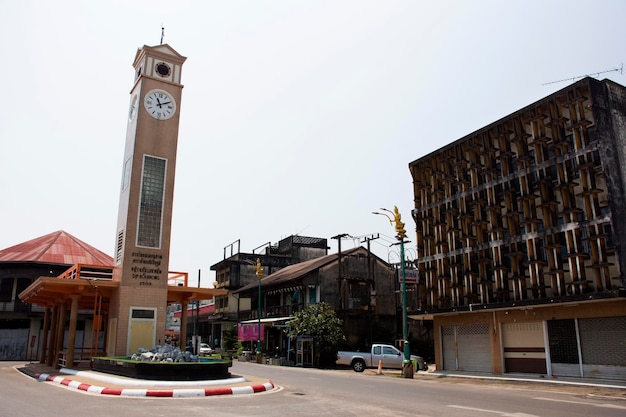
[81, 271]
[272, 311]
[15, 306]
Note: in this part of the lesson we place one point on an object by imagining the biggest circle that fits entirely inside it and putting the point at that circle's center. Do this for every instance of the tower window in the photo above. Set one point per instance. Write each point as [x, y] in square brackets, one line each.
[139, 313]
[151, 202]
[119, 247]
[126, 174]
[163, 69]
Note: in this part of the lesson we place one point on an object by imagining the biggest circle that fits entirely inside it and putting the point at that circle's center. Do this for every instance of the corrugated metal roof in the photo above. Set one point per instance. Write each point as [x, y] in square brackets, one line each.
[307, 240]
[57, 248]
[295, 271]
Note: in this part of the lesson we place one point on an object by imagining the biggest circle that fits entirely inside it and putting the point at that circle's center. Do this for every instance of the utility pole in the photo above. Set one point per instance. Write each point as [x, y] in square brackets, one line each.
[368, 239]
[371, 280]
[197, 325]
[339, 237]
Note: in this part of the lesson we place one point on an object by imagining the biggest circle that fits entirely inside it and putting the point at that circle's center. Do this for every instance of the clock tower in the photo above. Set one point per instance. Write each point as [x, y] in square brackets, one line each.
[142, 245]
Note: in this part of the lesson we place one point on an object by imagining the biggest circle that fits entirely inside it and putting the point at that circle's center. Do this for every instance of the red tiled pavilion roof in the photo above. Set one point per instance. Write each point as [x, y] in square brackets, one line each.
[58, 248]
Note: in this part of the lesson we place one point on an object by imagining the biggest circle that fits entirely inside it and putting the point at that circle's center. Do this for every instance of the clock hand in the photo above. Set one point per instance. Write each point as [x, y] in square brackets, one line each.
[162, 104]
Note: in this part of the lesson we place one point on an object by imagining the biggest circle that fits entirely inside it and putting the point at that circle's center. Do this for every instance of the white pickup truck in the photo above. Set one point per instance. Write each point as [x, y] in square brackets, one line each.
[388, 354]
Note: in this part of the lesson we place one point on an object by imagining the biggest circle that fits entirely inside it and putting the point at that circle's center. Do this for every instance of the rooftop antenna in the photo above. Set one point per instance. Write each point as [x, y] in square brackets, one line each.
[162, 34]
[593, 74]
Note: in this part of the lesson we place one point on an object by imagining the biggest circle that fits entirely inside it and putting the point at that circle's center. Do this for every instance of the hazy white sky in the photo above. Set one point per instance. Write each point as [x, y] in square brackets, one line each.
[297, 117]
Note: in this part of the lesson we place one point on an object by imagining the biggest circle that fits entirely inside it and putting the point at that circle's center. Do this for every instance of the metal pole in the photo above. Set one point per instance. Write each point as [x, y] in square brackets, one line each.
[193, 333]
[406, 364]
[259, 275]
[197, 325]
[258, 342]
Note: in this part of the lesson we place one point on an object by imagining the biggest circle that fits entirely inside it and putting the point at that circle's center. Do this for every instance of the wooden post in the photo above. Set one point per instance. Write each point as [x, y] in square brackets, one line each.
[71, 337]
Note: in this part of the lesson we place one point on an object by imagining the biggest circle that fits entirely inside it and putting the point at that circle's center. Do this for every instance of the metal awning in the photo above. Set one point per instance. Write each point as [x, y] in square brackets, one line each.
[267, 320]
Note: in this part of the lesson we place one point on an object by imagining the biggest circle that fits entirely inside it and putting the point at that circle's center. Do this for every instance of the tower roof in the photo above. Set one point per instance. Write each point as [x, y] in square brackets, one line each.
[58, 248]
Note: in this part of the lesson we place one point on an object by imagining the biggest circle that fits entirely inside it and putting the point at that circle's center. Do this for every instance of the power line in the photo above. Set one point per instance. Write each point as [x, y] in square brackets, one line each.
[593, 74]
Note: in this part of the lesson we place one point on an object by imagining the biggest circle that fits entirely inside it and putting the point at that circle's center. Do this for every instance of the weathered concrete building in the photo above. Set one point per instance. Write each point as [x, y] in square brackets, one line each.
[521, 244]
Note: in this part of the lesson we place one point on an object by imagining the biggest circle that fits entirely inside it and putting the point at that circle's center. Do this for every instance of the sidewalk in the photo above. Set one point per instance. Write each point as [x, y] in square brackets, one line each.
[513, 377]
[603, 383]
[94, 382]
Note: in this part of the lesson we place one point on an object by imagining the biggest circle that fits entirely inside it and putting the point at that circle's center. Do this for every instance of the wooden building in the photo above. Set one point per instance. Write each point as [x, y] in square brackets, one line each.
[237, 270]
[358, 285]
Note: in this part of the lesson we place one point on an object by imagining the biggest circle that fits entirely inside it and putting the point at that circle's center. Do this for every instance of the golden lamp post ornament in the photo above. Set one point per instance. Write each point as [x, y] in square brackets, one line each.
[407, 365]
[401, 233]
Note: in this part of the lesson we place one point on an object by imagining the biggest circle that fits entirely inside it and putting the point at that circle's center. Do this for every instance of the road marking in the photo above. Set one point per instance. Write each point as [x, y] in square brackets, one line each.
[501, 413]
[617, 407]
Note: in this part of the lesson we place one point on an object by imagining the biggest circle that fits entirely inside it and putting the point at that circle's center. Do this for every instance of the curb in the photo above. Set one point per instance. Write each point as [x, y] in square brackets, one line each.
[156, 393]
[541, 380]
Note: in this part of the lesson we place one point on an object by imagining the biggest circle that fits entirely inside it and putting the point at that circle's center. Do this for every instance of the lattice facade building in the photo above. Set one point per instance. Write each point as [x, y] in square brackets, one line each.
[527, 212]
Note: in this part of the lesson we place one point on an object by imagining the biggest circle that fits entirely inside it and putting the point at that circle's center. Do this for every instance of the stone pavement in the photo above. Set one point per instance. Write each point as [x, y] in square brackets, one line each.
[85, 379]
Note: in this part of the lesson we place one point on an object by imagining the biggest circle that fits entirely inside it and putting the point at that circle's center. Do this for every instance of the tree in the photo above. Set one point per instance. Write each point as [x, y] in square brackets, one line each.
[229, 339]
[320, 322]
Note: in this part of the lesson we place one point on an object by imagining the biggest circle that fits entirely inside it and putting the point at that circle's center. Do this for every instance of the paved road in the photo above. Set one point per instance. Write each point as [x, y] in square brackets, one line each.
[313, 392]
[350, 393]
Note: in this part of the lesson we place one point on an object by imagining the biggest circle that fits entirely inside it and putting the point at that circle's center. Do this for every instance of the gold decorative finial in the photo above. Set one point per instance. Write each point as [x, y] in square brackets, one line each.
[259, 269]
[397, 221]
[399, 224]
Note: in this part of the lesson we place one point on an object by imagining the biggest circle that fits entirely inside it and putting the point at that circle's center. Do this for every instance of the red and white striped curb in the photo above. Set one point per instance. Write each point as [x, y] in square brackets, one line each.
[173, 393]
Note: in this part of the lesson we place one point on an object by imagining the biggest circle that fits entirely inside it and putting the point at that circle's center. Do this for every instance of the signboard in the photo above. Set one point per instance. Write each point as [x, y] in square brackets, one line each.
[412, 276]
[249, 332]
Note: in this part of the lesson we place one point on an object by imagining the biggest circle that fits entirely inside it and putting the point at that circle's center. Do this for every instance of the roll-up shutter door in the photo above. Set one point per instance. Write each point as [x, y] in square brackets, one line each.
[603, 347]
[448, 340]
[13, 344]
[524, 349]
[467, 348]
[563, 338]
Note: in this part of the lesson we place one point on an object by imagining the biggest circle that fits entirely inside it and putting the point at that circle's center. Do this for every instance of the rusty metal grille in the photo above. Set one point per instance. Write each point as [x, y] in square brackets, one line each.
[562, 337]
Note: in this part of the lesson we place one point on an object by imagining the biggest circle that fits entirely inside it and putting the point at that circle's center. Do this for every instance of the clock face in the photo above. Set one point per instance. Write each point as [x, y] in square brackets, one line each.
[133, 107]
[159, 104]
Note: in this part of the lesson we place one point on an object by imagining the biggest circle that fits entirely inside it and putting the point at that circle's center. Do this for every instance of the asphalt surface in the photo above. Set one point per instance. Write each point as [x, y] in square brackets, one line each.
[105, 384]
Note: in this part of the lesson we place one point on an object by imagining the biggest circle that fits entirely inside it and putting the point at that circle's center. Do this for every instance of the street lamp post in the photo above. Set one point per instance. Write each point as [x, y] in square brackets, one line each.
[259, 275]
[407, 365]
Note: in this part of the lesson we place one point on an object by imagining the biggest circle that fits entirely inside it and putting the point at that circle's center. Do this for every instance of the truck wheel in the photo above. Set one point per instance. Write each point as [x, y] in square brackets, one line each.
[358, 365]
